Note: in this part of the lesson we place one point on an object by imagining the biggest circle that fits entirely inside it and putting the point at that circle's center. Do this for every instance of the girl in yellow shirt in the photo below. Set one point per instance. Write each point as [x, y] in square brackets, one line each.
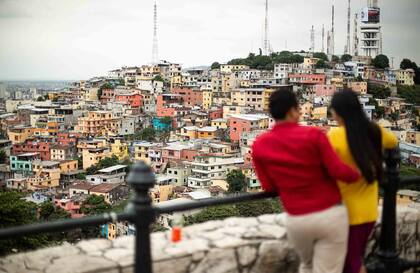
[359, 143]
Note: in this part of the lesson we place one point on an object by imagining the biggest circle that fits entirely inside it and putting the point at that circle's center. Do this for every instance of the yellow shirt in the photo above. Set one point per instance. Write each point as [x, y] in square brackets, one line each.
[360, 197]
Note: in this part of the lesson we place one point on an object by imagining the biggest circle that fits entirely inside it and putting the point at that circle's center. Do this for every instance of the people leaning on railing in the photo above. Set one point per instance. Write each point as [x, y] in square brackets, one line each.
[300, 164]
[359, 143]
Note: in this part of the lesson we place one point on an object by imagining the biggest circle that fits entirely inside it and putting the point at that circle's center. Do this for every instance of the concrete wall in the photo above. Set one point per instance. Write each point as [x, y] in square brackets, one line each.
[234, 245]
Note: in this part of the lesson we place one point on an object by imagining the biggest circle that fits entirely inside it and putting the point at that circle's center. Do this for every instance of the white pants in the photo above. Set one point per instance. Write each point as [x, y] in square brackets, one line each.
[320, 239]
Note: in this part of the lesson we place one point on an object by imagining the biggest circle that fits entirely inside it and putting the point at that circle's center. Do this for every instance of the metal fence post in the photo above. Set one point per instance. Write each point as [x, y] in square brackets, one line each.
[141, 178]
[386, 258]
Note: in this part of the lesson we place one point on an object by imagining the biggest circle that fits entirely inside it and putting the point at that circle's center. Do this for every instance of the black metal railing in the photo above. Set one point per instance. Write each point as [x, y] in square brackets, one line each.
[142, 214]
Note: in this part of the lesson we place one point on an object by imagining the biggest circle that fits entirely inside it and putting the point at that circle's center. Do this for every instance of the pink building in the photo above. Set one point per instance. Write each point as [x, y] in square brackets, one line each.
[107, 95]
[164, 102]
[324, 89]
[71, 205]
[216, 113]
[307, 78]
[239, 124]
[133, 99]
[190, 96]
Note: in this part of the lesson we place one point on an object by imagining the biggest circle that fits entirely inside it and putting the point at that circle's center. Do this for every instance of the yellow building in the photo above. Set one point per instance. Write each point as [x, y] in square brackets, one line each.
[407, 197]
[219, 123]
[306, 110]
[68, 166]
[46, 174]
[338, 82]
[207, 99]
[238, 97]
[405, 77]
[141, 151]
[266, 98]
[93, 156]
[228, 82]
[229, 68]
[207, 132]
[19, 134]
[176, 81]
[98, 123]
[413, 137]
[358, 87]
[119, 149]
[320, 113]
[310, 63]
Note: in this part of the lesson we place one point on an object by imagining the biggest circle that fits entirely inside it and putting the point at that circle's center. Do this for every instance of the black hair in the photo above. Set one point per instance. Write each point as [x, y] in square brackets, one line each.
[363, 136]
[281, 101]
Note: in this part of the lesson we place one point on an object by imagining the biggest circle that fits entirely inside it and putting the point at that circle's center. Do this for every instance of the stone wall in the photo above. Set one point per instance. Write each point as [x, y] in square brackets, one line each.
[234, 245]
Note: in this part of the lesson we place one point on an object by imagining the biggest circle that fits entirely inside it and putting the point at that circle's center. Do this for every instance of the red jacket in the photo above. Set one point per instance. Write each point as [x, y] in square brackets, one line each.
[299, 163]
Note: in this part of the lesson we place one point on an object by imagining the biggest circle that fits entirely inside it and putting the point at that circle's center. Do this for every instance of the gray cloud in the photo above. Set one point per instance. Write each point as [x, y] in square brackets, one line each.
[77, 39]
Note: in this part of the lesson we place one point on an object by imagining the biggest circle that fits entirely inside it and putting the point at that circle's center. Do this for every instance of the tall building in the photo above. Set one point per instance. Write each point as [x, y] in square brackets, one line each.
[2, 90]
[370, 30]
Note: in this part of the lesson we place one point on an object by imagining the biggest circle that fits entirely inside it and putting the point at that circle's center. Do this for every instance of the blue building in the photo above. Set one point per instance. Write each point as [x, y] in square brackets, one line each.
[159, 125]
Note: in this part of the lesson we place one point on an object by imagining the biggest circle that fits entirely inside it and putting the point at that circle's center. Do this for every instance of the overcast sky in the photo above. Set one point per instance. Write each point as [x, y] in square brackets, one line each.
[78, 39]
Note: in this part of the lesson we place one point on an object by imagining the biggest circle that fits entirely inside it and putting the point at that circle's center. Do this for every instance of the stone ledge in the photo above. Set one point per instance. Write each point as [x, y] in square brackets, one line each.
[234, 245]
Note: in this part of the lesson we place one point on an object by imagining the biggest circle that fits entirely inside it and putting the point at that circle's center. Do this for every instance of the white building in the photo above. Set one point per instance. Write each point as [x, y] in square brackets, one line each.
[113, 174]
[206, 168]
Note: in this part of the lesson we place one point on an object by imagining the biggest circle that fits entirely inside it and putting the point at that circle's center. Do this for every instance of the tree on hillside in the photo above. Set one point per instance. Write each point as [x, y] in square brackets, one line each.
[147, 134]
[256, 208]
[15, 211]
[321, 64]
[95, 204]
[215, 65]
[335, 59]
[321, 55]
[158, 78]
[103, 163]
[381, 61]
[411, 94]
[211, 213]
[346, 58]
[378, 91]
[236, 181]
[48, 212]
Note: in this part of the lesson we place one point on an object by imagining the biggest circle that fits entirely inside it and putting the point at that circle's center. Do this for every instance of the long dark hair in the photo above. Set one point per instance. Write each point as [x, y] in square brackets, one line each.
[363, 136]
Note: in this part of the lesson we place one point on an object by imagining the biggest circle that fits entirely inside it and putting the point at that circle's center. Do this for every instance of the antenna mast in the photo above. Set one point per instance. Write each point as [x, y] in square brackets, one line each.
[347, 47]
[155, 41]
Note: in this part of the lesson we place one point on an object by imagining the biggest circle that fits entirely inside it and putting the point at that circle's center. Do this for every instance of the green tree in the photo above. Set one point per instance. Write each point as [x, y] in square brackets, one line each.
[321, 64]
[3, 157]
[335, 59]
[236, 181]
[95, 204]
[147, 134]
[81, 176]
[378, 91]
[381, 61]
[40, 98]
[211, 213]
[321, 55]
[411, 94]
[14, 211]
[158, 78]
[215, 65]
[256, 208]
[166, 120]
[103, 163]
[346, 58]
[48, 212]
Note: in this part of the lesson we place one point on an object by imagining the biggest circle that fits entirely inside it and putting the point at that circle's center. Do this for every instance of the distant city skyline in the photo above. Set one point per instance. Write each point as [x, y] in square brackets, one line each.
[77, 39]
